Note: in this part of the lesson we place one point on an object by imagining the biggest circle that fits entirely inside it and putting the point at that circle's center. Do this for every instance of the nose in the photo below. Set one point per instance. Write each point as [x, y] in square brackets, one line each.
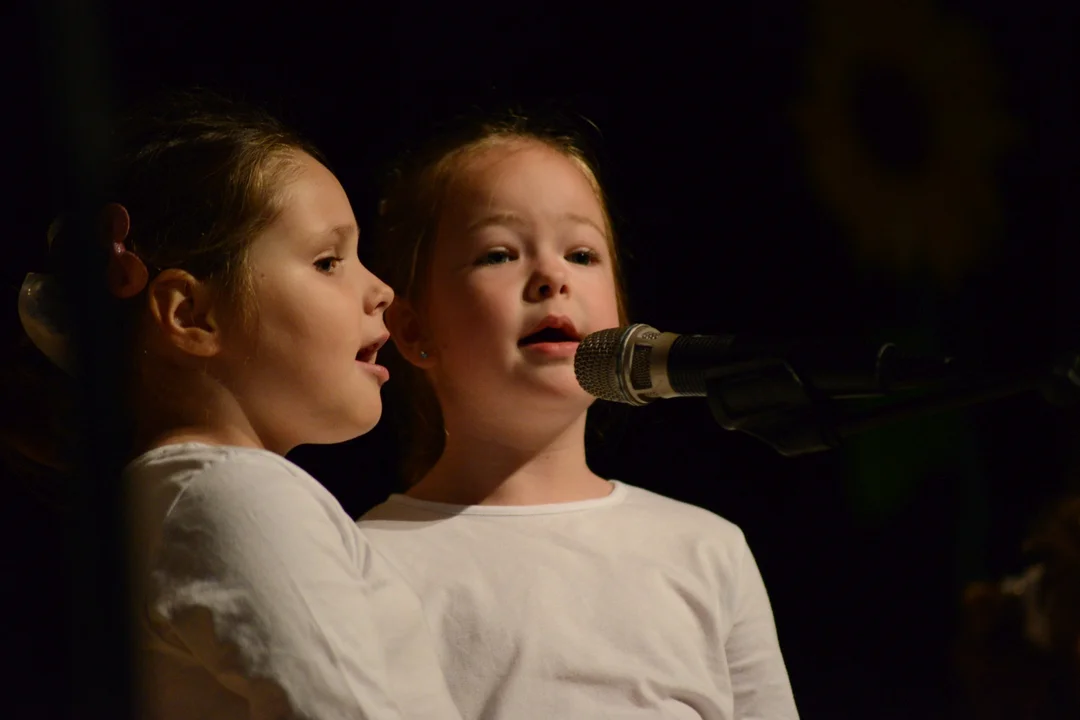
[548, 280]
[377, 295]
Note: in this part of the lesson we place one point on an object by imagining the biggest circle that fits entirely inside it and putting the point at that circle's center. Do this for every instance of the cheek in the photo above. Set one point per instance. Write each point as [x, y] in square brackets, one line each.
[604, 303]
[446, 321]
[310, 316]
[479, 309]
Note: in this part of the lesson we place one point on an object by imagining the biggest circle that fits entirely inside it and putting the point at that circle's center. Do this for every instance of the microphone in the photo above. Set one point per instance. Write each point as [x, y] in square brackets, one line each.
[796, 397]
[638, 364]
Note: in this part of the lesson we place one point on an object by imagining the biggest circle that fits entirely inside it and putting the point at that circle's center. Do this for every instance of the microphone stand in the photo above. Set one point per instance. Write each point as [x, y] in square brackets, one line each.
[781, 406]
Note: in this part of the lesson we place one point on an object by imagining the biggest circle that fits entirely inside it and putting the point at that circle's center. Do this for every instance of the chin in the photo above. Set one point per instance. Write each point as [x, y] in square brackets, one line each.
[364, 425]
[554, 380]
[347, 430]
[362, 414]
[352, 425]
[562, 394]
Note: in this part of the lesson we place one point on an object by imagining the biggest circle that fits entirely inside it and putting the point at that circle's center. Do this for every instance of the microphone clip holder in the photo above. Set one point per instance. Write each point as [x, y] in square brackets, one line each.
[771, 400]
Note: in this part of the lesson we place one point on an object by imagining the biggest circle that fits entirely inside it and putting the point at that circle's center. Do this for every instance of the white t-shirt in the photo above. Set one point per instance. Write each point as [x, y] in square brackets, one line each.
[629, 606]
[258, 597]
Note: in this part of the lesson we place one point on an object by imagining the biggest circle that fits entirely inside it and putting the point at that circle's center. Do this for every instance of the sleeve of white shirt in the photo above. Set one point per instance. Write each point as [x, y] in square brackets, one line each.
[759, 678]
[262, 582]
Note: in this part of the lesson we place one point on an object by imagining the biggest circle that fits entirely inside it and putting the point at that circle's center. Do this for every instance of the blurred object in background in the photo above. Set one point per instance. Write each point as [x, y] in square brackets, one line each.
[1019, 652]
[904, 132]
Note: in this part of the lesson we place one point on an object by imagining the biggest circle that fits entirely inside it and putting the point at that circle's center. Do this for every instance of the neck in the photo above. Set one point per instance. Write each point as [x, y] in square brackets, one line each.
[493, 465]
[191, 406]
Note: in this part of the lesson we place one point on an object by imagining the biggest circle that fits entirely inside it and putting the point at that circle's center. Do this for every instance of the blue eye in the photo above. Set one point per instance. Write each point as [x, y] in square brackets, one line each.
[494, 257]
[583, 257]
[328, 265]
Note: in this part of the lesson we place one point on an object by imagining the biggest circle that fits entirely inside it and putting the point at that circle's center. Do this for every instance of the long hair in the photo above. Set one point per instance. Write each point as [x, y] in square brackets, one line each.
[409, 213]
[200, 176]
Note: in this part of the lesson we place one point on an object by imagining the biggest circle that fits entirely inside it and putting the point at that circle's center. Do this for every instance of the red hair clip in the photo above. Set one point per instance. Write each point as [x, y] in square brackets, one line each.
[127, 275]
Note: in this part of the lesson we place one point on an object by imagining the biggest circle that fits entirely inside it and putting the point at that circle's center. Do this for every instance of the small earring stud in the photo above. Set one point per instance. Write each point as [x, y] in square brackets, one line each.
[423, 355]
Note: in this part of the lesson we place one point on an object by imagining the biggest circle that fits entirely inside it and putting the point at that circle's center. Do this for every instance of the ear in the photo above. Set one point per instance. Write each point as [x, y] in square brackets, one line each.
[407, 332]
[182, 309]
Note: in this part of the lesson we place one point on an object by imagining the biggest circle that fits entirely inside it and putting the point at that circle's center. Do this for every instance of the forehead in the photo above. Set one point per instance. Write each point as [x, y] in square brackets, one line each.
[311, 193]
[312, 209]
[526, 178]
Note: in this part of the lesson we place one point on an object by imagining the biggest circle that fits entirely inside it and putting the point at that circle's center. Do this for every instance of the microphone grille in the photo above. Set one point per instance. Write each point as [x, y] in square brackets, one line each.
[596, 364]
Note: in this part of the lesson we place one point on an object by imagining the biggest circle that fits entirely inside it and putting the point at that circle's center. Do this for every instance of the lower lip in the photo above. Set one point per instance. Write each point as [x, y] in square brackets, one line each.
[553, 349]
[381, 373]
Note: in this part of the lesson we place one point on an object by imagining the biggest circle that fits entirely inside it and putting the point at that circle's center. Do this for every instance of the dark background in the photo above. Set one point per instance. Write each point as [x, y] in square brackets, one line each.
[726, 228]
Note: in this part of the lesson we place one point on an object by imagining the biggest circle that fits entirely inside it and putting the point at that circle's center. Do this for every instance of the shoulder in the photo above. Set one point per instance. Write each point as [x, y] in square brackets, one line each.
[226, 486]
[195, 469]
[678, 516]
[187, 461]
[679, 532]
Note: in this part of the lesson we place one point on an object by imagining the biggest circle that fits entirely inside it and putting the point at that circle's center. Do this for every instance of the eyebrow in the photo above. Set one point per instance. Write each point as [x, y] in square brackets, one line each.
[345, 232]
[509, 218]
